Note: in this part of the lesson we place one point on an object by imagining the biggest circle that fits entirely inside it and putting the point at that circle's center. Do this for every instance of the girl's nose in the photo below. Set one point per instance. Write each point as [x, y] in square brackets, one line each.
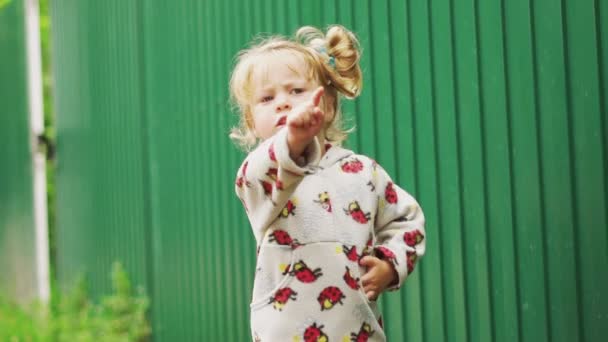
[282, 105]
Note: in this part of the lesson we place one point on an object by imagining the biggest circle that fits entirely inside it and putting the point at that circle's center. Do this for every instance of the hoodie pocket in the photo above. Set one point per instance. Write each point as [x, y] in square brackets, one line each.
[272, 274]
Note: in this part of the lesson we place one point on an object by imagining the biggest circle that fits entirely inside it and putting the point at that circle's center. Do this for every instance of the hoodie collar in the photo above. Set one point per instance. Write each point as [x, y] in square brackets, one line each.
[333, 154]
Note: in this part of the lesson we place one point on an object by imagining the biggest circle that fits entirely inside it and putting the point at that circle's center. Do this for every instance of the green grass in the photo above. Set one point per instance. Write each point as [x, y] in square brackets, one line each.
[74, 317]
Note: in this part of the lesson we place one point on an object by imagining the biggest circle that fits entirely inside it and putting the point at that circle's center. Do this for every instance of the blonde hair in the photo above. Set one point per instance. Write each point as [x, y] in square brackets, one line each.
[333, 61]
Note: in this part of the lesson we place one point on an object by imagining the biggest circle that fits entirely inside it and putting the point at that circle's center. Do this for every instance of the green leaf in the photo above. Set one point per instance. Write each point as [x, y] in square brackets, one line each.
[4, 3]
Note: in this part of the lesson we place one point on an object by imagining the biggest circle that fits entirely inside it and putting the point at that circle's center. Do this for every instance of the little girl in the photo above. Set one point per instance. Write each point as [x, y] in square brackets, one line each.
[332, 230]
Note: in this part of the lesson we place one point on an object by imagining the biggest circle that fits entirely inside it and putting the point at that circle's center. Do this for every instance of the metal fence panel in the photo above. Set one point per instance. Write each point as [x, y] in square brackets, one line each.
[492, 114]
[17, 230]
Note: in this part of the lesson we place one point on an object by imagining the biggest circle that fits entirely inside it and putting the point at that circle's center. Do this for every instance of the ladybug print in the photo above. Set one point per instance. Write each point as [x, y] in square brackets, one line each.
[314, 334]
[353, 166]
[350, 281]
[289, 209]
[329, 297]
[374, 164]
[387, 254]
[239, 182]
[364, 333]
[327, 147]
[354, 210]
[390, 194]
[272, 173]
[413, 238]
[368, 247]
[281, 297]
[242, 179]
[271, 154]
[304, 274]
[324, 201]
[371, 185]
[281, 237]
[411, 257]
[267, 188]
[350, 252]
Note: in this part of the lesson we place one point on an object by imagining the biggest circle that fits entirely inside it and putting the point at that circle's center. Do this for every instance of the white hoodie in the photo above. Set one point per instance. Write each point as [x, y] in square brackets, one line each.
[312, 224]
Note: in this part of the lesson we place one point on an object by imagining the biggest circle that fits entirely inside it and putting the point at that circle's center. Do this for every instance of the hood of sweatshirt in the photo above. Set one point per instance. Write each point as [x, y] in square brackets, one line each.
[333, 154]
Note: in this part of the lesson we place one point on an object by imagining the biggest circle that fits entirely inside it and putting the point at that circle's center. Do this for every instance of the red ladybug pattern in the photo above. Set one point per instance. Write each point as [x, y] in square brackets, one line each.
[242, 179]
[368, 247]
[272, 173]
[304, 274]
[289, 209]
[354, 211]
[314, 334]
[353, 283]
[281, 297]
[267, 188]
[363, 335]
[351, 253]
[352, 166]
[281, 237]
[413, 238]
[390, 194]
[364, 207]
[271, 154]
[324, 201]
[387, 254]
[329, 297]
[372, 186]
[411, 257]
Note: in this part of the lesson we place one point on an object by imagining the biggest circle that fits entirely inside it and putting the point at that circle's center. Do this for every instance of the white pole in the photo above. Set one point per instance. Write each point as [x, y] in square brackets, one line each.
[34, 70]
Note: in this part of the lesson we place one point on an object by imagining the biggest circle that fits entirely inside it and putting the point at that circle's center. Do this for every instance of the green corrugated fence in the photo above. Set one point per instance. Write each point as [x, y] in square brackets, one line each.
[491, 113]
[17, 232]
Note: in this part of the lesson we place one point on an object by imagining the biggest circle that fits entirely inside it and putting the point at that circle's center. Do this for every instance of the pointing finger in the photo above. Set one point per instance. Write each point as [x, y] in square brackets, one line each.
[316, 97]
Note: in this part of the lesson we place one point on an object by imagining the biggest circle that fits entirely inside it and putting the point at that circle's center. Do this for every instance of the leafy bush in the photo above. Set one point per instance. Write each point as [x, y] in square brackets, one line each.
[73, 317]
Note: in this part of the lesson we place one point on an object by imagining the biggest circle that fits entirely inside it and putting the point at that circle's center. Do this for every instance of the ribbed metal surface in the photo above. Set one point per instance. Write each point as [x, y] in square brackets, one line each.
[492, 113]
[17, 231]
[101, 198]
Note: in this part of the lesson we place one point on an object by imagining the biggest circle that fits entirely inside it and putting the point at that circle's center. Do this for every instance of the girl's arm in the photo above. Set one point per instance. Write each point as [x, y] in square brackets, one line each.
[268, 177]
[399, 227]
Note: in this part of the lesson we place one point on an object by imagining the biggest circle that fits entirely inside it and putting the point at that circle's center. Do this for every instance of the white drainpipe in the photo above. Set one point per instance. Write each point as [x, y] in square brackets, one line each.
[34, 71]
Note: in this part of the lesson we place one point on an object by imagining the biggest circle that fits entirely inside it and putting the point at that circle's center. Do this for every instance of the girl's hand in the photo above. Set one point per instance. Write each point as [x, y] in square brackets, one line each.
[304, 123]
[380, 274]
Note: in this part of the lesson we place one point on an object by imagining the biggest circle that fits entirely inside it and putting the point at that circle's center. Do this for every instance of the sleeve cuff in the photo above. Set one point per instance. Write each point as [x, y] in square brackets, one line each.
[311, 158]
[387, 254]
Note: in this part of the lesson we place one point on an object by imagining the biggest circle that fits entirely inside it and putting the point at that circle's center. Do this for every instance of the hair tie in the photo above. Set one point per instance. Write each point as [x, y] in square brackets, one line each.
[331, 59]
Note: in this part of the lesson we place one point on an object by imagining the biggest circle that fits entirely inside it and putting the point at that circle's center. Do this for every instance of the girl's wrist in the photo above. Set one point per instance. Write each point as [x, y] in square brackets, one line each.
[297, 149]
[394, 276]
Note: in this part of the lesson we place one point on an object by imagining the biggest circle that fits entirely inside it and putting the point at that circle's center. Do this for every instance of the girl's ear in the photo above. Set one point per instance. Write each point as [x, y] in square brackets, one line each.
[248, 118]
[329, 107]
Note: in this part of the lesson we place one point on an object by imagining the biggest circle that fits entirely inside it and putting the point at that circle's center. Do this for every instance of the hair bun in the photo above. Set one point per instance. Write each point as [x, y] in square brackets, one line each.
[342, 48]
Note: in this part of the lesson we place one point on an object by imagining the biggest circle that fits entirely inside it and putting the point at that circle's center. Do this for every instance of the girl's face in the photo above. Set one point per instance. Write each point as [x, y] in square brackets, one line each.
[279, 85]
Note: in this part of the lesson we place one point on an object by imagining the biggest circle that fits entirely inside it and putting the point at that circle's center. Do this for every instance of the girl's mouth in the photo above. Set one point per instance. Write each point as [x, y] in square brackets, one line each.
[282, 121]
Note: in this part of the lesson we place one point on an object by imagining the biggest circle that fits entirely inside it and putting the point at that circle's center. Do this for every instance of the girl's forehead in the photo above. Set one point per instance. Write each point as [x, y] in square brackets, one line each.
[284, 63]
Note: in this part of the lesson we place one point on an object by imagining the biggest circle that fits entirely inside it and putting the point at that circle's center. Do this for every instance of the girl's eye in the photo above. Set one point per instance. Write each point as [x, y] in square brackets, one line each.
[266, 99]
[297, 90]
